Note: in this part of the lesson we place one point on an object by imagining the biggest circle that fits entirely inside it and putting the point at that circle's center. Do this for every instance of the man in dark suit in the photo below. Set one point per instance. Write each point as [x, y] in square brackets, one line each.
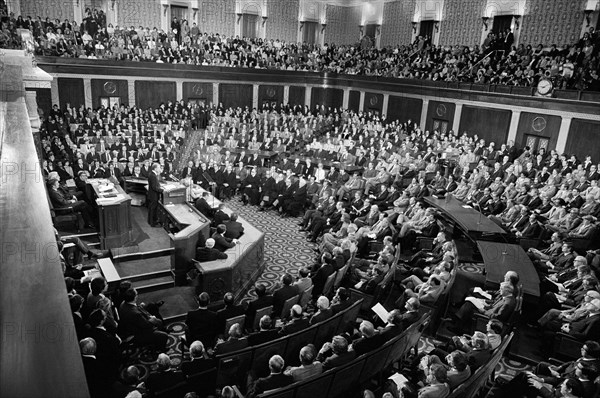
[335, 353]
[154, 191]
[230, 311]
[190, 170]
[107, 344]
[164, 377]
[276, 378]
[266, 332]
[136, 322]
[235, 229]
[201, 323]
[341, 300]
[221, 242]
[368, 340]
[262, 300]
[98, 380]
[283, 293]
[235, 342]
[321, 275]
[199, 361]
[323, 312]
[587, 328]
[220, 216]
[58, 200]
[209, 253]
[297, 323]
[203, 206]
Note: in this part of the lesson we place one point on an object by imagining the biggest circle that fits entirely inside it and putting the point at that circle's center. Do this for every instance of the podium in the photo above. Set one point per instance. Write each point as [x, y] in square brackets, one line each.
[114, 213]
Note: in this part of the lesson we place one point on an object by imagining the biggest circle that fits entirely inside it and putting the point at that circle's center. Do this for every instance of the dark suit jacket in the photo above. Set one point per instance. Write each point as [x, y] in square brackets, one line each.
[260, 302]
[222, 243]
[320, 316]
[281, 295]
[341, 306]
[320, 278]
[154, 189]
[363, 345]
[270, 382]
[295, 325]
[204, 207]
[586, 328]
[503, 309]
[158, 381]
[134, 321]
[338, 360]
[220, 217]
[107, 347]
[201, 325]
[234, 229]
[196, 366]
[204, 254]
[263, 336]
[230, 345]
[477, 358]
[228, 312]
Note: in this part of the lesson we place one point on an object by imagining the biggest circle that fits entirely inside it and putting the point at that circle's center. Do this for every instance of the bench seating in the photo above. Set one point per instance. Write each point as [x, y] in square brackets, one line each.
[234, 367]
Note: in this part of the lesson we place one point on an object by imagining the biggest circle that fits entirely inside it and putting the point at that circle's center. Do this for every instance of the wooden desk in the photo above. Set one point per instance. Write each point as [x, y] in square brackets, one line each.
[114, 213]
[472, 222]
[237, 273]
[501, 257]
[183, 224]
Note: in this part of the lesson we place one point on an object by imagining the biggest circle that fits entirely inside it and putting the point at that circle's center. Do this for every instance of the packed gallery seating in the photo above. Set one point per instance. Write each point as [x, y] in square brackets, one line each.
[496, 61]
[387, 306]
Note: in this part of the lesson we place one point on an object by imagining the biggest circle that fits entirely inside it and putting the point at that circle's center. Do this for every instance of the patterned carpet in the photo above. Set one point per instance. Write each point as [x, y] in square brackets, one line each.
[286, 250]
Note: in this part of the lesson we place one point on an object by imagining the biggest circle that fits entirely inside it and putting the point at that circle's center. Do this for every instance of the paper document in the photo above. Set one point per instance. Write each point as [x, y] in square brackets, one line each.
[466, 207]
[558, 284]
[479, 303]
[93, 273]
[483, 293]
[381, 312]
[398, 379]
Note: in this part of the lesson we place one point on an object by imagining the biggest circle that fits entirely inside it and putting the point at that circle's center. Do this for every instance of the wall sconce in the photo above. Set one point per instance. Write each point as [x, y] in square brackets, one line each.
[436, 25]
[165, 9]
[112, 4]
[239, 15]
[323, 25]
[361, 29]
[485, 22]
[516, 17]
[378, 30]
[301, 25]
[264, 20]
[414, 25]
[588, 17]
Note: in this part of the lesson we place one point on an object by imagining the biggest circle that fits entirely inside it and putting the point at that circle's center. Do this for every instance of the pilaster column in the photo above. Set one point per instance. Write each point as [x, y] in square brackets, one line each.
[286, 95]
[346, 98]
[456, 123]
[563, 134]
[87, 92]
[131, 92]
[215, 98]
[514, 125]
[78, 8]
[307, 96]
[112, 15]
[424, 113]
[54, 91]
[384, 106]
[178, 89]
[255, 96]
[361, 102]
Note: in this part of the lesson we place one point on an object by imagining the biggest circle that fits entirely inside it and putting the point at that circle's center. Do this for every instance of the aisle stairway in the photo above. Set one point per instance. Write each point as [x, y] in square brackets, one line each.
[191, 142]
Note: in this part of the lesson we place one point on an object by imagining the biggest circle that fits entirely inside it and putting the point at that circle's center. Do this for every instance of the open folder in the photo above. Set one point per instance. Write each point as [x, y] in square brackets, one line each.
[381, 312]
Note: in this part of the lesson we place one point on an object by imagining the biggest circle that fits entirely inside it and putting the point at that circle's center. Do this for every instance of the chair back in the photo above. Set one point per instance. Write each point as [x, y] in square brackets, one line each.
[259, 314]
[346, 379]
[295, 342]
[240, 319]
[327, 329]
[287, 306]
[203, 382]
[329, 284]
[306, 297]
[374, 364]
[340, 275]
[262, 353]
[232, 368]
[317, 387]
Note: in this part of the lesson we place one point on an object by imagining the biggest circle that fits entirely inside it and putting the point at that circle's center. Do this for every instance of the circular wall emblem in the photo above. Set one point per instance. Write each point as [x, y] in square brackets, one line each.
[110, 87]
[271, 92]
[441, 110]
[197, 89]
[538, 124]
[374, 100]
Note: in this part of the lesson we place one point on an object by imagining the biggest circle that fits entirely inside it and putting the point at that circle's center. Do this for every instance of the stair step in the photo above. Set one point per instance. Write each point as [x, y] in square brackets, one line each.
[149, 285]
[121, 256]
[149, 276]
